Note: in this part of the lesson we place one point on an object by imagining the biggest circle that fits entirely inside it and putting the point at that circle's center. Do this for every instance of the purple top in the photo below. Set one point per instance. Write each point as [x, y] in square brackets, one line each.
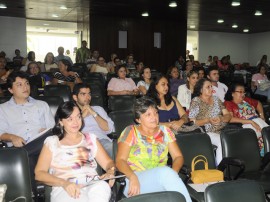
[174, 84]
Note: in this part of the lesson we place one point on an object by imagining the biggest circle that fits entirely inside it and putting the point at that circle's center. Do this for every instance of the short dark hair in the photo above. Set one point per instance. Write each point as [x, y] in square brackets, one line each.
[29, 55]
[63, 112]
[142, 71]
[78, 86]
[228, 95]
[260, 66]
[198, 87]
[142, 104]
[212, 68]
[17, 50]
[119, 67]
[170, 71]
[13, 75]
[152, 91]
[67, 63]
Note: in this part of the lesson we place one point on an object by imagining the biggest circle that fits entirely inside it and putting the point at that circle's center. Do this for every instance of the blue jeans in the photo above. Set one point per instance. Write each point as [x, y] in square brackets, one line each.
[160, 179]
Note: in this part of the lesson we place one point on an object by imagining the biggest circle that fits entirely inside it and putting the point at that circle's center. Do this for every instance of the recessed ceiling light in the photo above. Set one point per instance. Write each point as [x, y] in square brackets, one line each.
[46, 24]
[220, 20]
[173, 4]
[145, 14]
[192, 26]
[258, 13]
[55, 15]
[63, 7]
[245, 30]
[234, 26]
[235, 3]
[3, 6]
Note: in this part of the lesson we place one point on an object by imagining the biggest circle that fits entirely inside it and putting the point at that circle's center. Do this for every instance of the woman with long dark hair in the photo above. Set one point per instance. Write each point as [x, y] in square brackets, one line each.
[69, 158]
[171, 113]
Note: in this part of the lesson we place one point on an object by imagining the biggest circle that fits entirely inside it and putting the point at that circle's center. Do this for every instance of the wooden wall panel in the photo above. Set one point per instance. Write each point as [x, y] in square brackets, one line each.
[104, 37]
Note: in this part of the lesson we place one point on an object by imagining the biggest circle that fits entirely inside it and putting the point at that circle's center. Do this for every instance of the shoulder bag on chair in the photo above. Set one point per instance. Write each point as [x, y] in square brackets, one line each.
[206, 175]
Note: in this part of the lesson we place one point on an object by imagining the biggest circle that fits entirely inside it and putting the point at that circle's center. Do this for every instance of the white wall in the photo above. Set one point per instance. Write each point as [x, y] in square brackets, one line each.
[13, 35]
[221, 44]
[192, 43]
[259, 44]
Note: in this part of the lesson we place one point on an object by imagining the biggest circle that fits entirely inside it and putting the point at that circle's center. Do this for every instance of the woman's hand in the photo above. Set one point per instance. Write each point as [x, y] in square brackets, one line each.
[215, 120]
[256, 126]
[176, 125]
[72, 189]
[109, 174]
[134, 185]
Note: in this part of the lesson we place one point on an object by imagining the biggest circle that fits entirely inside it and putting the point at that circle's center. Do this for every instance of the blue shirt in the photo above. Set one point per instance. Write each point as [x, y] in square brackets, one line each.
[91, 125]
[25, 120]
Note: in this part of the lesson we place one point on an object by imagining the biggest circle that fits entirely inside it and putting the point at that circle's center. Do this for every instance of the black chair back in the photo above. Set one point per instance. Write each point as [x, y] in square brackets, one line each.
[194, 144]
[4, 99]
[52, 101]
[63, 91]
[168, 196]
[235, 191]
[15, 173]
[266, 138]
[121, 120]
[121, 102]
[242, 144]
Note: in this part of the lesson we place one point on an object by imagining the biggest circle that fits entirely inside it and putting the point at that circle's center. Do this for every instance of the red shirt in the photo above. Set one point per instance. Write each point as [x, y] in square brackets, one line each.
[244, 113]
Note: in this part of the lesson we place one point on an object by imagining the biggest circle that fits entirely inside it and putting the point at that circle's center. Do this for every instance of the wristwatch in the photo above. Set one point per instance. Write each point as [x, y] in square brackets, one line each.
[95, 115]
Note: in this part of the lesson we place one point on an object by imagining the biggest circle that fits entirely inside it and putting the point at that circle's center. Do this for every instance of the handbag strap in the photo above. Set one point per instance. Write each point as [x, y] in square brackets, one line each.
[195, 161]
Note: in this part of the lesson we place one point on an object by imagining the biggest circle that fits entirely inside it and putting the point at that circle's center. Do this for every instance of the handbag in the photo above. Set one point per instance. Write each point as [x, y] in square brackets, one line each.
[206, 175]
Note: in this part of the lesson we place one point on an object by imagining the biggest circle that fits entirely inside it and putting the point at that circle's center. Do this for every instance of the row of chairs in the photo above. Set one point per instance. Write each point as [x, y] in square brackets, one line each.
[241, 157]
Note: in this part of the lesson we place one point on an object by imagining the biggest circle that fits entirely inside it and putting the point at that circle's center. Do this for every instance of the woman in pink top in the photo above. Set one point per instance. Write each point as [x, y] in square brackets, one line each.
[122, 85]
[259, 78]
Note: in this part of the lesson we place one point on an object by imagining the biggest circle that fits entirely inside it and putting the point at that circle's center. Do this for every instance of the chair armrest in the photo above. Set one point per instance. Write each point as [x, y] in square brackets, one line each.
[230, 161]
[119, 190]
[113, 136]
[3, 144]
[265, 160]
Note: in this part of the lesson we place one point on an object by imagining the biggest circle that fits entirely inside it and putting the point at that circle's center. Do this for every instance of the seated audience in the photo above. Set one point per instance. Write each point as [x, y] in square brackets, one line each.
[3, 68]
[82, 53]
[122, 85]
[17, 60]
[209, 60]
[23, 119]
[144, 84]
[48, 63]
[207, 110]
[143, 153]
[68, 160]
[185, 91]
[100, 67]
[263, 62]
[130, 64]
[175, 80]
[35, 77]
[215, 61]
[31, 57]
[111, 65]
[61, 56]
[219, 89]
[187, 67]
[96, 120]
[261, 83]
[201, 72]
[171, 113]
[64, 76]
[179, 63]
[223, 63]
[136, 73]
[243, 110]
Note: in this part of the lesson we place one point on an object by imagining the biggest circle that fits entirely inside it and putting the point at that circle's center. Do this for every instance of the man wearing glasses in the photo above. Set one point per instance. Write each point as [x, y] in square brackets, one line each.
[96, 120]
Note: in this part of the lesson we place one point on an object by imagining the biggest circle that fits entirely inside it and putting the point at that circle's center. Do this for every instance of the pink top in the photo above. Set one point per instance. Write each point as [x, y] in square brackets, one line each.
[117, 84]
[257, 77]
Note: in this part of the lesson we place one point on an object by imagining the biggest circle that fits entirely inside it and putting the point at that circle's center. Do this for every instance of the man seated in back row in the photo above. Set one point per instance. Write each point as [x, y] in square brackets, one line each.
[23, 118]
[96, 120]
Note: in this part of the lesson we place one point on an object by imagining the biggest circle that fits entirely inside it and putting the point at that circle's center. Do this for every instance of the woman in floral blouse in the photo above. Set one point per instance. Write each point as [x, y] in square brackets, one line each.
[143, 153]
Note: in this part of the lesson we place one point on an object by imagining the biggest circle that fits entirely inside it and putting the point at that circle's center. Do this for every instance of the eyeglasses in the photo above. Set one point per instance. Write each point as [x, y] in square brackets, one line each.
[241, 92]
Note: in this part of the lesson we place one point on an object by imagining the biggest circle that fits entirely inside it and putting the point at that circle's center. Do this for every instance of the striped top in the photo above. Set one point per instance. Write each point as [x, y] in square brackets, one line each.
[61, 77]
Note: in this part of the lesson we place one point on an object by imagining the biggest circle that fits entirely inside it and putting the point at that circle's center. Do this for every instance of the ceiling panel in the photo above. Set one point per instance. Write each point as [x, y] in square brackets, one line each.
[201, 13]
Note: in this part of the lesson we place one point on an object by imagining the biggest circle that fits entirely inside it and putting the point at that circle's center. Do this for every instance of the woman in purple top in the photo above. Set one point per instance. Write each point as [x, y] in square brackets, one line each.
[175, 80]
[171, 113]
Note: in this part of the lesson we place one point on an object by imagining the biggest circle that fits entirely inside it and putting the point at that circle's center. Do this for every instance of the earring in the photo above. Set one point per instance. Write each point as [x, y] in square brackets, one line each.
[61, 128]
